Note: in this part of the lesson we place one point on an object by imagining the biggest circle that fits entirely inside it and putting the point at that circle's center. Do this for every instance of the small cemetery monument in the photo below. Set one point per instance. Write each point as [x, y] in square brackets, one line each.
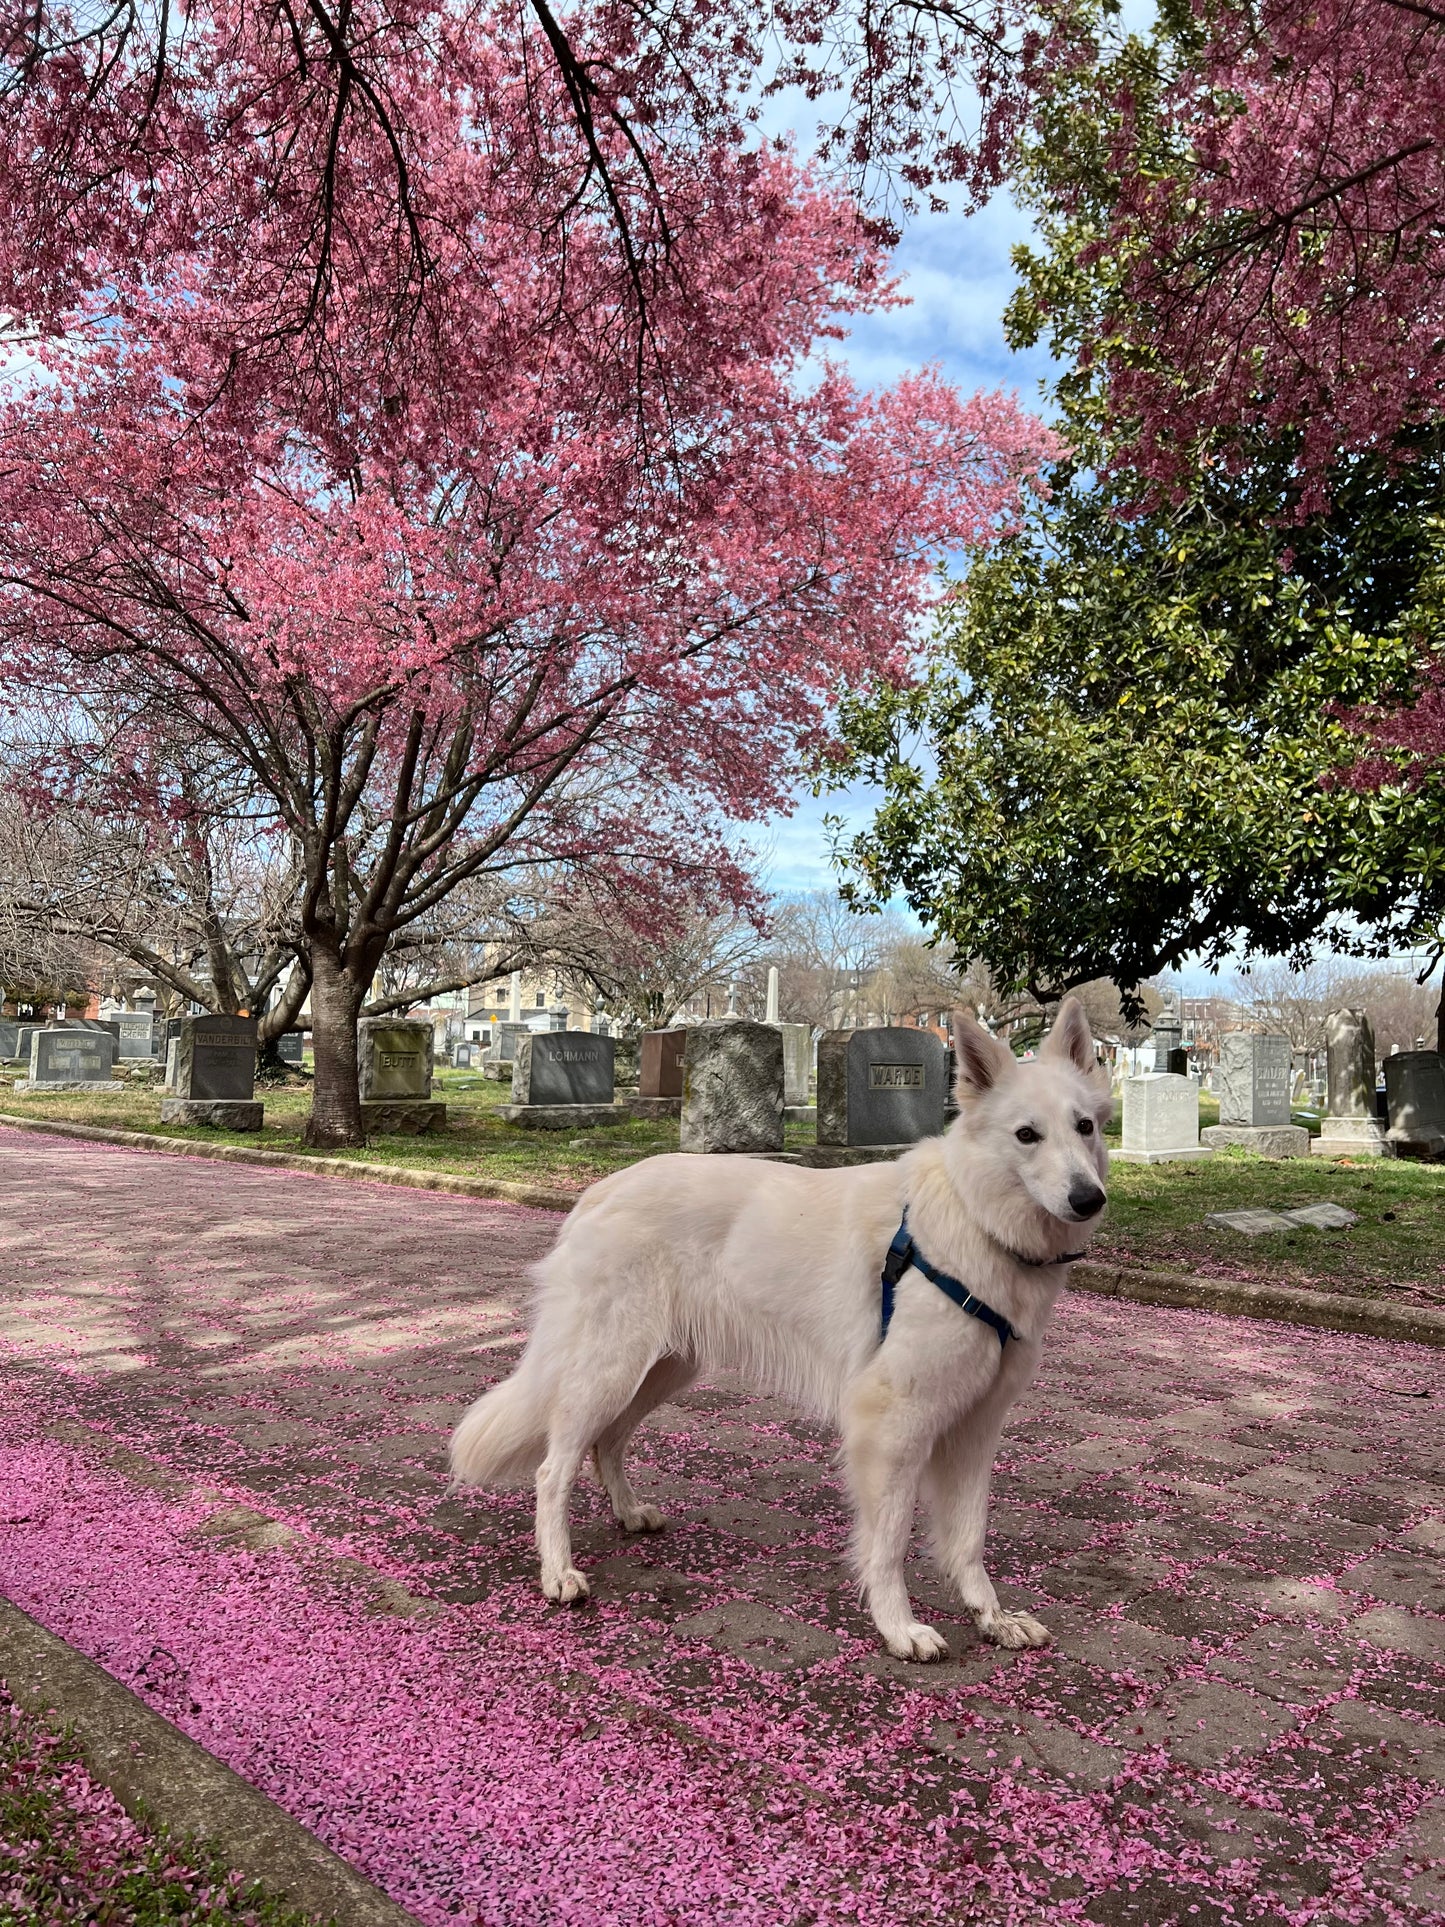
[732, 1096]
[394, 1060]
[501, 1053]
[660, 1074]
[1167, 1037]
[70, 1059]
[1351, 1126]
[1161, 1119]
[9, 1039]
[290, 1046]
[1415, 1094]
[882, 1087]
[797, 1047]
[212, 1061]
[562, 1080]
[1253, 1083]
[137, 1033]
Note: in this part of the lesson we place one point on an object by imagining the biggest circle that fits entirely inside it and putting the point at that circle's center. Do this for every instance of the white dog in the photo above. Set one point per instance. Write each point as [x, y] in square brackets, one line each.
[681, 1265]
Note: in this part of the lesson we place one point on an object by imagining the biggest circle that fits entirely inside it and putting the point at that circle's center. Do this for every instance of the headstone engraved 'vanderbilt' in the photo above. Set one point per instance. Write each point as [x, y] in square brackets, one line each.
[1161, 1119]
[1253, 1082]
[562, 1079]
[67, 1059]
[1351, 1126]
[394, 1073]
[880, 1087]
[212, 1061]
[732, 1087]
[1415, 1094]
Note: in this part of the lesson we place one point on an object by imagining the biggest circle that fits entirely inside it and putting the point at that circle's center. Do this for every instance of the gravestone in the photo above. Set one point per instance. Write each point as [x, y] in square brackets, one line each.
[562, 1080]
[660, 1074]
[797, 1062]
[9, 1039]
[880, 1087]
[291, 1046]
[1415, 1093]
[1353, 1125]
[1161, 1119]
[1253, 1082]
[461, 1057]
[394, 1060]
[211, 1066]
[501, 1053]
[1166, 1035]
[68, 1058]
[732, 1098]
[135, 1033]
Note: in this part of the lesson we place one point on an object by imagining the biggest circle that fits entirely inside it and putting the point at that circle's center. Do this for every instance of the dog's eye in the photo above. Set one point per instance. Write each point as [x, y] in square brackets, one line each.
[1086, 1127]
[1026, 1134]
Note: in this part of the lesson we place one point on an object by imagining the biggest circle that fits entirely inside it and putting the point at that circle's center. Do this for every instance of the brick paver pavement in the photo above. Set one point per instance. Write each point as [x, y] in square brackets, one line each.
[226, 1394]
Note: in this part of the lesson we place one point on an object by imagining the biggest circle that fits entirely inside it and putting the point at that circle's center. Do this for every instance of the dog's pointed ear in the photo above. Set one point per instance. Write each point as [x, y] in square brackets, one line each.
[1071, 1037]
[979, 1060]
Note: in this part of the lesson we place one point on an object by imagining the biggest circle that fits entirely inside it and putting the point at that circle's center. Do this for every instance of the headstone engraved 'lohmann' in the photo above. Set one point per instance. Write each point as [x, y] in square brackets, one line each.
[394, 1069]
[70, 1059]
[1253, 1082]
[880, 1087]
[562, 1079]
[212, 1063]
[1161, 1119]
[1352, 1126]
[732, 1097]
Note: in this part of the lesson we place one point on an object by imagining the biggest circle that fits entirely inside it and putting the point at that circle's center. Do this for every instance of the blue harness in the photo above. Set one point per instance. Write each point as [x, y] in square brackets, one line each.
[903, 1253]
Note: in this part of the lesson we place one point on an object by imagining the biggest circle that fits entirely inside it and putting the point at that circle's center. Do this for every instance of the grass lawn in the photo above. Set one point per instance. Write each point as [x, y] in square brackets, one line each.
[1155, 1216]
[70, 1852]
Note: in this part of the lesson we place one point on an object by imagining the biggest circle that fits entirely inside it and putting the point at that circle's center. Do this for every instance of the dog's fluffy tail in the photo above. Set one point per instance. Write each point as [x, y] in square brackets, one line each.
[502, 1437]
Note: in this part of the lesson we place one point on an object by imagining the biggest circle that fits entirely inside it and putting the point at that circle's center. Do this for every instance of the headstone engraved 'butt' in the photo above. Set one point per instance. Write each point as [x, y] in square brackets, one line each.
[880, 1087]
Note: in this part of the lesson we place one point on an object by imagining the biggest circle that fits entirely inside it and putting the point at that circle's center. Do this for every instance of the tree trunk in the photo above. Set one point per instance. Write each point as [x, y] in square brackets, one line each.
[336, 1000]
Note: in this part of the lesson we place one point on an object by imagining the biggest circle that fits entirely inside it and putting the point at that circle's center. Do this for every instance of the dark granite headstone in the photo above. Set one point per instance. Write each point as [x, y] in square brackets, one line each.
[70, 1055]
[661, 1069]
[289, 1046]
[9, 1039]
[1415, 1090]
[882, 1086]
[216, 1058]
[563, 1067]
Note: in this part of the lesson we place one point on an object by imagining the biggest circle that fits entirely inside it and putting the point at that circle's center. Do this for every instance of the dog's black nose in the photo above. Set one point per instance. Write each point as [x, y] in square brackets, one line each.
[1085, 1200]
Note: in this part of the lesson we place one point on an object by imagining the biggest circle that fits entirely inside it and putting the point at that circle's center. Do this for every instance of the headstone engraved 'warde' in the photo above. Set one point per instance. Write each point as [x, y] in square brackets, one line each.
[394, 1070]
[1352, 1126]
[732, 1097]
[880, 1087]
[212, 1065]
[1161, 1119]
[70, 1059]
[561, 1080]
[1253, 1082]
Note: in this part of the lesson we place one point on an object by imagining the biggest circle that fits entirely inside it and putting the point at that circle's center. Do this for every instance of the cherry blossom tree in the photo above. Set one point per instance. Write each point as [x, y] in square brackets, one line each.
[1261, 209]
[442, 617]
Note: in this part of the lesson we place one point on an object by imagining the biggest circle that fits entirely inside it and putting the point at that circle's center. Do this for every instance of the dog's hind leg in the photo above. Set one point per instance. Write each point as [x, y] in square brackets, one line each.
[956, 1485]
[589, 1399]
[667, 1377]
[883, 1457]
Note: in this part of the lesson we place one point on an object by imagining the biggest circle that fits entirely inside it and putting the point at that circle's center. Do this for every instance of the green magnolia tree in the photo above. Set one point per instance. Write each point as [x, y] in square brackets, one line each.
[1132, 743]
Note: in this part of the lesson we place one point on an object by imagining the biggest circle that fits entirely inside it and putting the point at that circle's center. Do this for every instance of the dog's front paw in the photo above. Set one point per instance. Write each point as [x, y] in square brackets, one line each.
[917, 1642]
[642, 1518]
[567, 1587]
[1014, 1630]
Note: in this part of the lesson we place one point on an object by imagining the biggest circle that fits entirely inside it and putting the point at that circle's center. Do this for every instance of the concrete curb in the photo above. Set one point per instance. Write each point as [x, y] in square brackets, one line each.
[1327, 1311]
[540, 1197]
[149, 1765]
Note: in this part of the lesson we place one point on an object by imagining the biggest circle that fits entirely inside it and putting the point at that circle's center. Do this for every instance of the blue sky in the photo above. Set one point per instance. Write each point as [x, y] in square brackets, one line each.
[957, 273]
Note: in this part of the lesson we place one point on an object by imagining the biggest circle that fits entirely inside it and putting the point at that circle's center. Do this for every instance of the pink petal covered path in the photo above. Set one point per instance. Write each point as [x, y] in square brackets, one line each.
[224, 1398]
